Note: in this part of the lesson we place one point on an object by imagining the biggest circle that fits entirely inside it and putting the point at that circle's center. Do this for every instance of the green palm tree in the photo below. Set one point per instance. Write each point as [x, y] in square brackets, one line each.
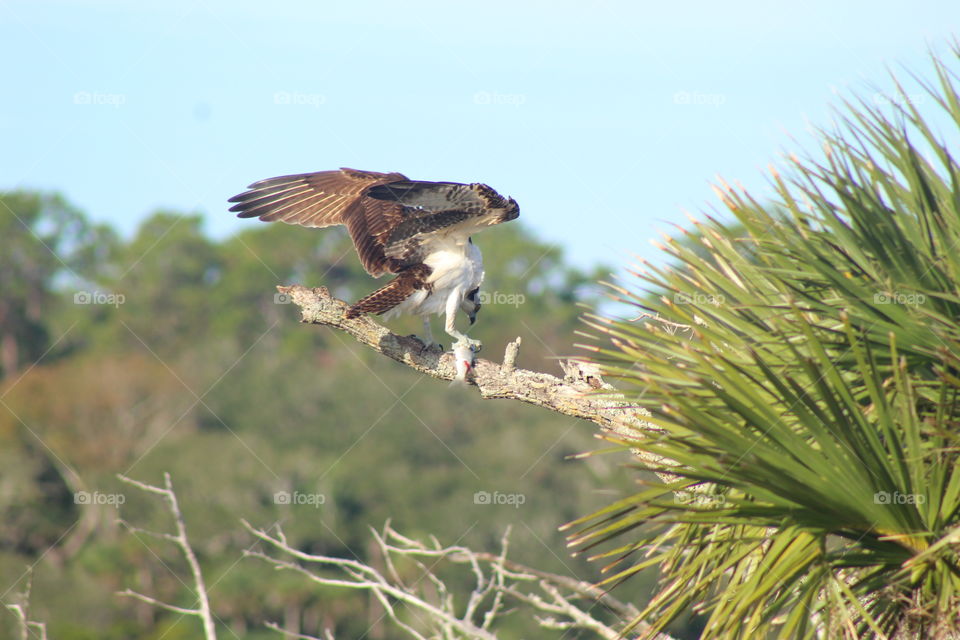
[810, 399]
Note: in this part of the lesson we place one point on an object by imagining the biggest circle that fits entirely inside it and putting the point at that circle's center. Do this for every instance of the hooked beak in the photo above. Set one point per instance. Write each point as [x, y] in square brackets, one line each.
[471, 305]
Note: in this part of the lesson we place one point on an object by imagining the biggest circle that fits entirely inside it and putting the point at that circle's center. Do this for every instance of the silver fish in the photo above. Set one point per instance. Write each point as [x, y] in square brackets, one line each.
[463, 360]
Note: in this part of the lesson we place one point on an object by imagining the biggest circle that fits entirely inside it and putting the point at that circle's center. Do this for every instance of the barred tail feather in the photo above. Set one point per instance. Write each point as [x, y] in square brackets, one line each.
[393, 293]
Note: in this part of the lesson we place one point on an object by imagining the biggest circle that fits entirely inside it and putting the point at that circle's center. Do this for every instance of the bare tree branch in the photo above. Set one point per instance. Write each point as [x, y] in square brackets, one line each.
[21, 611]
[327, 634]
[157, 603]
[25, 624]
[367, 578]
[202, 610]
[581, 393]
[563, 603]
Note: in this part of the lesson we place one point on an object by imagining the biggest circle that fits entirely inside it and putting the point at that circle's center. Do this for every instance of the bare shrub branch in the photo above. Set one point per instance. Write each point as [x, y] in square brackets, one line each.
[202, 609]
[21, 611]
[557, 602]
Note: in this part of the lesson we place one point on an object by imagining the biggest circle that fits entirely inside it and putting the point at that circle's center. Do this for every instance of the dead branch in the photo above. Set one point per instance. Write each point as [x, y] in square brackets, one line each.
[581, 393]
[557, 602]
[273, 626]
[21, 611]
[202, 609]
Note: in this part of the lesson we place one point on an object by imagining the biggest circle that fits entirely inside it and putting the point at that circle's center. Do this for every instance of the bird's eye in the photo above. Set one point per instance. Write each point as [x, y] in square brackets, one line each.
[472, 296]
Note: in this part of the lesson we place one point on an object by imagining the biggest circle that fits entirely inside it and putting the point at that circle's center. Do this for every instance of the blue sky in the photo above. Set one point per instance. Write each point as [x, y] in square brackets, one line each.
[605, 120]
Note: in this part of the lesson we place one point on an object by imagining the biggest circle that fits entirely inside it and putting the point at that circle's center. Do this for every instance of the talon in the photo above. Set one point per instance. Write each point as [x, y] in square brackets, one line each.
[475, 345]
[427, 344]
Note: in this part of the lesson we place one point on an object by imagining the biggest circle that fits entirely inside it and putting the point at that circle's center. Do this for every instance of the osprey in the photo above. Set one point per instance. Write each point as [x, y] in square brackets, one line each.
[419, 231]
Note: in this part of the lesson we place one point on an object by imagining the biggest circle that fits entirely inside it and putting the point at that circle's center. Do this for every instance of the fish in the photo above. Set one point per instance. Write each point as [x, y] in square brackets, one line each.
[463, 355]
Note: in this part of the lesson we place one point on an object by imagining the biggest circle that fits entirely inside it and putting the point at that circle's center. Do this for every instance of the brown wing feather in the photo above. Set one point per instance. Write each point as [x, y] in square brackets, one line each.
[308, 199]
[393, 293]
[369, 223]
[328, 198]
[388, 216]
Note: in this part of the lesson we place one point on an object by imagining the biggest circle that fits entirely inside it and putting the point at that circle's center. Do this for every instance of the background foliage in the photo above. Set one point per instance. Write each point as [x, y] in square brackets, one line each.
[183, 360]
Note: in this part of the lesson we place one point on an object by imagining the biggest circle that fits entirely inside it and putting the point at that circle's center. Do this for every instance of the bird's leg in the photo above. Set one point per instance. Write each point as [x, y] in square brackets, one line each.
[427, 337]
[453, 303]
[427, 333]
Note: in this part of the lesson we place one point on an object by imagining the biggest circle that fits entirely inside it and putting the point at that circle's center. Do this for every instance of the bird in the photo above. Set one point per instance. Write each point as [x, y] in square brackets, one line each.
[416, 230]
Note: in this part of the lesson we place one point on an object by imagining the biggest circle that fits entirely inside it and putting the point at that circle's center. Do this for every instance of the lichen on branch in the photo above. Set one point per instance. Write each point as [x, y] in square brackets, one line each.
[580, 393]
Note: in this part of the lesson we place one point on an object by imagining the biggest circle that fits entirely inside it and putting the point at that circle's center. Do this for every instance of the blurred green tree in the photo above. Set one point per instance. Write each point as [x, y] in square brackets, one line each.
[47, 244]
[201, 371]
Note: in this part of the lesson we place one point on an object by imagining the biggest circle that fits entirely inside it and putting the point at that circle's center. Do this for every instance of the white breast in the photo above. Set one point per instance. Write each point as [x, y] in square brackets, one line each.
[455, 265]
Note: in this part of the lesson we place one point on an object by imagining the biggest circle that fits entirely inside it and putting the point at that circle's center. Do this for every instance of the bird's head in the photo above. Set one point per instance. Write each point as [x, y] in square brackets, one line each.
[471, 304]
[507, 208]
[511, 211]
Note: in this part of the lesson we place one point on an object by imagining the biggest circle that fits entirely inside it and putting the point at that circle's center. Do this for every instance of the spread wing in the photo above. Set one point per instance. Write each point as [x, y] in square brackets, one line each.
[391, 219]
[328, 198]
[308, 199]
[432, 207]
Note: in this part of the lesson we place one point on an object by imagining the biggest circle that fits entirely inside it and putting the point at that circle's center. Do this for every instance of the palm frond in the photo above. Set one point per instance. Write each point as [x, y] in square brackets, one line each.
[812, 405]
